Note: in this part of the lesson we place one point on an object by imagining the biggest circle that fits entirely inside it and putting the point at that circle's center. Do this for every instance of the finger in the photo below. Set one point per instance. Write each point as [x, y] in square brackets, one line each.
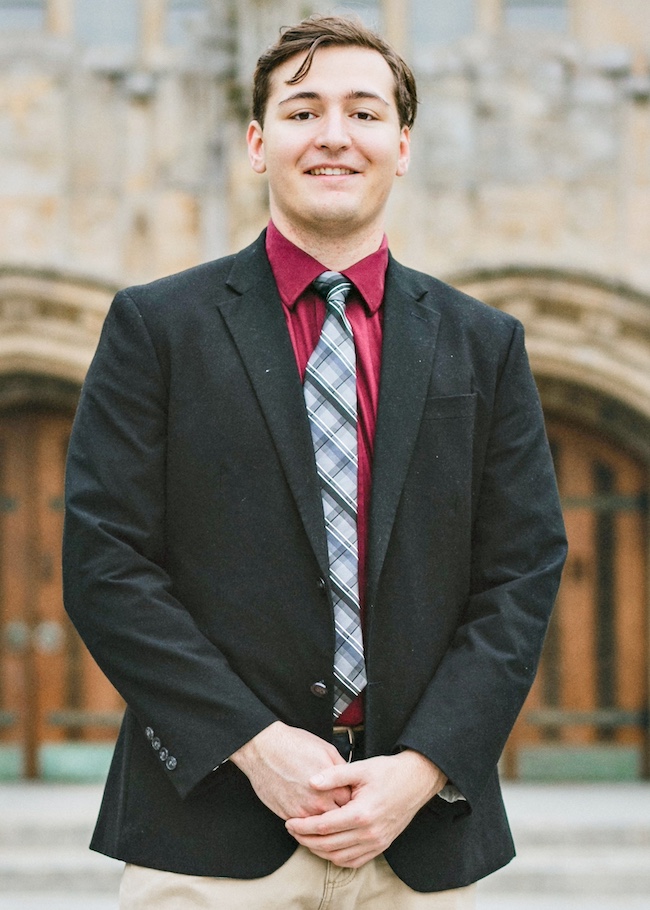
[357, 861]
[342, 795]
[351, 858]
[330, 843]
[332, 822]
[349, 774]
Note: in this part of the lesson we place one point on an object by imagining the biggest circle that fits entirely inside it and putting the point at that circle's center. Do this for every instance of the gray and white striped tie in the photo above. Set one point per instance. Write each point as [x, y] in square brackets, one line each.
[330, 388]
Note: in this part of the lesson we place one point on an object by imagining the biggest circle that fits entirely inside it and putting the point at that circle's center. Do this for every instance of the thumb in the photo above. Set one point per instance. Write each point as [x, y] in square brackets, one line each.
[336, 776]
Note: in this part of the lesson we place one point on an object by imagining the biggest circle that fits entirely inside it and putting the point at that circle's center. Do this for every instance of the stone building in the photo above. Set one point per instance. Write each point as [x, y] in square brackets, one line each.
[122, 158]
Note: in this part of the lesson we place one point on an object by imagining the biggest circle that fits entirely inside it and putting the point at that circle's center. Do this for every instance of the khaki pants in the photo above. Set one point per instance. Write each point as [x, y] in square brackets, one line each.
[304, 882]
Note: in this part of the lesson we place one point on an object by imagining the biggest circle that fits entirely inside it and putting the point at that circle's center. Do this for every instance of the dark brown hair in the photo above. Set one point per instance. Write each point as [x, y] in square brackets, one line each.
[331, 31]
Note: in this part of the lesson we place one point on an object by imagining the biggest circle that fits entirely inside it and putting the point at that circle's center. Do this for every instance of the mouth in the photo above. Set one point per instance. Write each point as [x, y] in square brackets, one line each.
[331, 172]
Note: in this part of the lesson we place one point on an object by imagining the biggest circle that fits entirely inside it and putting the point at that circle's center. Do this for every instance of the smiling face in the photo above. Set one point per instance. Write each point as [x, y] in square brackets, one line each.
[331, 146]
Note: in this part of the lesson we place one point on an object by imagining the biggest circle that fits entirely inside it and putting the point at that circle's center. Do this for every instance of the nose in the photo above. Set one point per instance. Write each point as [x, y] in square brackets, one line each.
[334, 133]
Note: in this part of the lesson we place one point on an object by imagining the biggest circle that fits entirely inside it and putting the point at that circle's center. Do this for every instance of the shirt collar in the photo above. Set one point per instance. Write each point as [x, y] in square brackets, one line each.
[294, 270]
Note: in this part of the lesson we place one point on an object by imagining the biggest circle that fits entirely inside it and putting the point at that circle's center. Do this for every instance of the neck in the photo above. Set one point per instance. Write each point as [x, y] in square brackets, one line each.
[334, 252]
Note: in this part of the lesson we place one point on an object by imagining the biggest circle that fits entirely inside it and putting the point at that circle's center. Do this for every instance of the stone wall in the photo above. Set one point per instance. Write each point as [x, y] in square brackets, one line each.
[109, 169]
[531, 151]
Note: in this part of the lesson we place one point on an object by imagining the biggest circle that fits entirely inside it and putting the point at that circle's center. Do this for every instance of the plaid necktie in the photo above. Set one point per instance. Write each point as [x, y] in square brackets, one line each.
[330, 389]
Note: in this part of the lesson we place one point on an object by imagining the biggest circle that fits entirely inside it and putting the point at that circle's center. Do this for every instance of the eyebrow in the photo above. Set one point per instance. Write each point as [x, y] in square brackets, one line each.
[358, 95]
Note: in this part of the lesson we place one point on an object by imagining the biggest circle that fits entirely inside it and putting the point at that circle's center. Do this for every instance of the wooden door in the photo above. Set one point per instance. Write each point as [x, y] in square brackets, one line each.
[53, 697]
[586, 716]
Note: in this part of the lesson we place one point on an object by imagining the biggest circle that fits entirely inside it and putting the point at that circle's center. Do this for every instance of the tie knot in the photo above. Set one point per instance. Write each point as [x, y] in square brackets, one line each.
[335, 288]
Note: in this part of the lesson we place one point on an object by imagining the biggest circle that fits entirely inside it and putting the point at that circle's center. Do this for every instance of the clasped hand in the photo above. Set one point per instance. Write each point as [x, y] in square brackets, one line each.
[344, 813]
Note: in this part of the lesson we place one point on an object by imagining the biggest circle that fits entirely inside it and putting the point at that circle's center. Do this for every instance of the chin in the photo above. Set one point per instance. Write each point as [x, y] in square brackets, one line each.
[341, 217]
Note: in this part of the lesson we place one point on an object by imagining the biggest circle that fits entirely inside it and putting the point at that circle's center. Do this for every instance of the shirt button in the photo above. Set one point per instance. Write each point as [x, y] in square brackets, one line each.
[155, 743]
[319, 689]
[171, 763]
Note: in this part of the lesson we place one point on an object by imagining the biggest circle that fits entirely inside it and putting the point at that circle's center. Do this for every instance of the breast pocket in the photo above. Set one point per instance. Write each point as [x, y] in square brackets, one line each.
[444, 453]
[450, 407]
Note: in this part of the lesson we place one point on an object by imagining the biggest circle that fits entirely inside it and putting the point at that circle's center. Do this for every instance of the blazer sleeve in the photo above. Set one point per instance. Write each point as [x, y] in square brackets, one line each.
[116, 588]
[466, 712]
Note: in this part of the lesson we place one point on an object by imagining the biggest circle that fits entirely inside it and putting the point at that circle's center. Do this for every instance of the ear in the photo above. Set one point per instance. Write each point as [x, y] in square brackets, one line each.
[404, 151]
[255, 142]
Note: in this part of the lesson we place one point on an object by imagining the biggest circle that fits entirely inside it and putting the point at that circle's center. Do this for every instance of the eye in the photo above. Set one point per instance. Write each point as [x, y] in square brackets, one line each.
[302, 115]
[364, 115]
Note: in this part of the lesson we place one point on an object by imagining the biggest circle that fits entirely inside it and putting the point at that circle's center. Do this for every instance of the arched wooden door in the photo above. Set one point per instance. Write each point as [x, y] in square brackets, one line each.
[58, 713]
[587, 714]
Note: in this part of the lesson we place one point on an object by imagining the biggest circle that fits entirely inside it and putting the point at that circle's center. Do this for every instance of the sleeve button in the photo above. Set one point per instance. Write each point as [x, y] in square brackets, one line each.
[149, 733]
[155, 743]
[322, 584]
[319, 689]
[171, 763]
[163, 754]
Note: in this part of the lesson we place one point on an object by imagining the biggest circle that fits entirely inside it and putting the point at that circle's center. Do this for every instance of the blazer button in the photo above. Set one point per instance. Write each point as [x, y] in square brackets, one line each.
[319, 689]
[155, 743]
[322, 584]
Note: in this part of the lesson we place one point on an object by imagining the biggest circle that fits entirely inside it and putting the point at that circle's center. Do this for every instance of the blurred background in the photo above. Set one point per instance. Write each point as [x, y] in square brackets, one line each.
[122, 158]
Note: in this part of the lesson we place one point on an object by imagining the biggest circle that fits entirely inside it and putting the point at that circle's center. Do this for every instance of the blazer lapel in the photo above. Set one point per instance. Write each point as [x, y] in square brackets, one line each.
[258, 327]
[410, 331]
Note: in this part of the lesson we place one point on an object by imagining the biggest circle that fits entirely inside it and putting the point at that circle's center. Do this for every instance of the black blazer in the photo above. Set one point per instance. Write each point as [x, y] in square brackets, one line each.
[195, 562]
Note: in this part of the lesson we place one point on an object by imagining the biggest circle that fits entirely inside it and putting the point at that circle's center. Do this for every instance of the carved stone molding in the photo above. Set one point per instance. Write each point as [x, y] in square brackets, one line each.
[588, 341]
[49, 322]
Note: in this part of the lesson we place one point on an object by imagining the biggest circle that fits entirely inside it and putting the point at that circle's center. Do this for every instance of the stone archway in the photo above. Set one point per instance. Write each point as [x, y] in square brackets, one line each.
[589, 345]
[50, 323]
[582, 333]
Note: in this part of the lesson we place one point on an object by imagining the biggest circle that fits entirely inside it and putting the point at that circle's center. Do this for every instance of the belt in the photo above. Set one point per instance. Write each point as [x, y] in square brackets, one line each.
[349, 741]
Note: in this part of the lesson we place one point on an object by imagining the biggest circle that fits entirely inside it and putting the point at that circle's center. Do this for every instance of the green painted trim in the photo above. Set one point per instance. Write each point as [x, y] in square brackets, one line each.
[11, 762]
[88, 762]
[579, 763]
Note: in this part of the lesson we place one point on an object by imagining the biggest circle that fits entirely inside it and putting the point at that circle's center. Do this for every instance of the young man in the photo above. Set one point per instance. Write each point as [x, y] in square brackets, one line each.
[312, 534]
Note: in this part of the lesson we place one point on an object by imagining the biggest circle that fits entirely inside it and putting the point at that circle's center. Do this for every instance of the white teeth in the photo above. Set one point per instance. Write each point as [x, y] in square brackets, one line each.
[330, 171]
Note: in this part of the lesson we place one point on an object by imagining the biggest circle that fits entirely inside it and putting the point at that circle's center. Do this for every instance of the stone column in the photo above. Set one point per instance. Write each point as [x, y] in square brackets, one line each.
[60, 17]
[602, 23]
[152, 19]
[396, 15]
[489, 16]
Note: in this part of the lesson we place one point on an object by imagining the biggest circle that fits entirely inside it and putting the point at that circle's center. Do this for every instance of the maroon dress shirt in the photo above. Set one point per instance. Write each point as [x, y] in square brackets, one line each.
[294, 271]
